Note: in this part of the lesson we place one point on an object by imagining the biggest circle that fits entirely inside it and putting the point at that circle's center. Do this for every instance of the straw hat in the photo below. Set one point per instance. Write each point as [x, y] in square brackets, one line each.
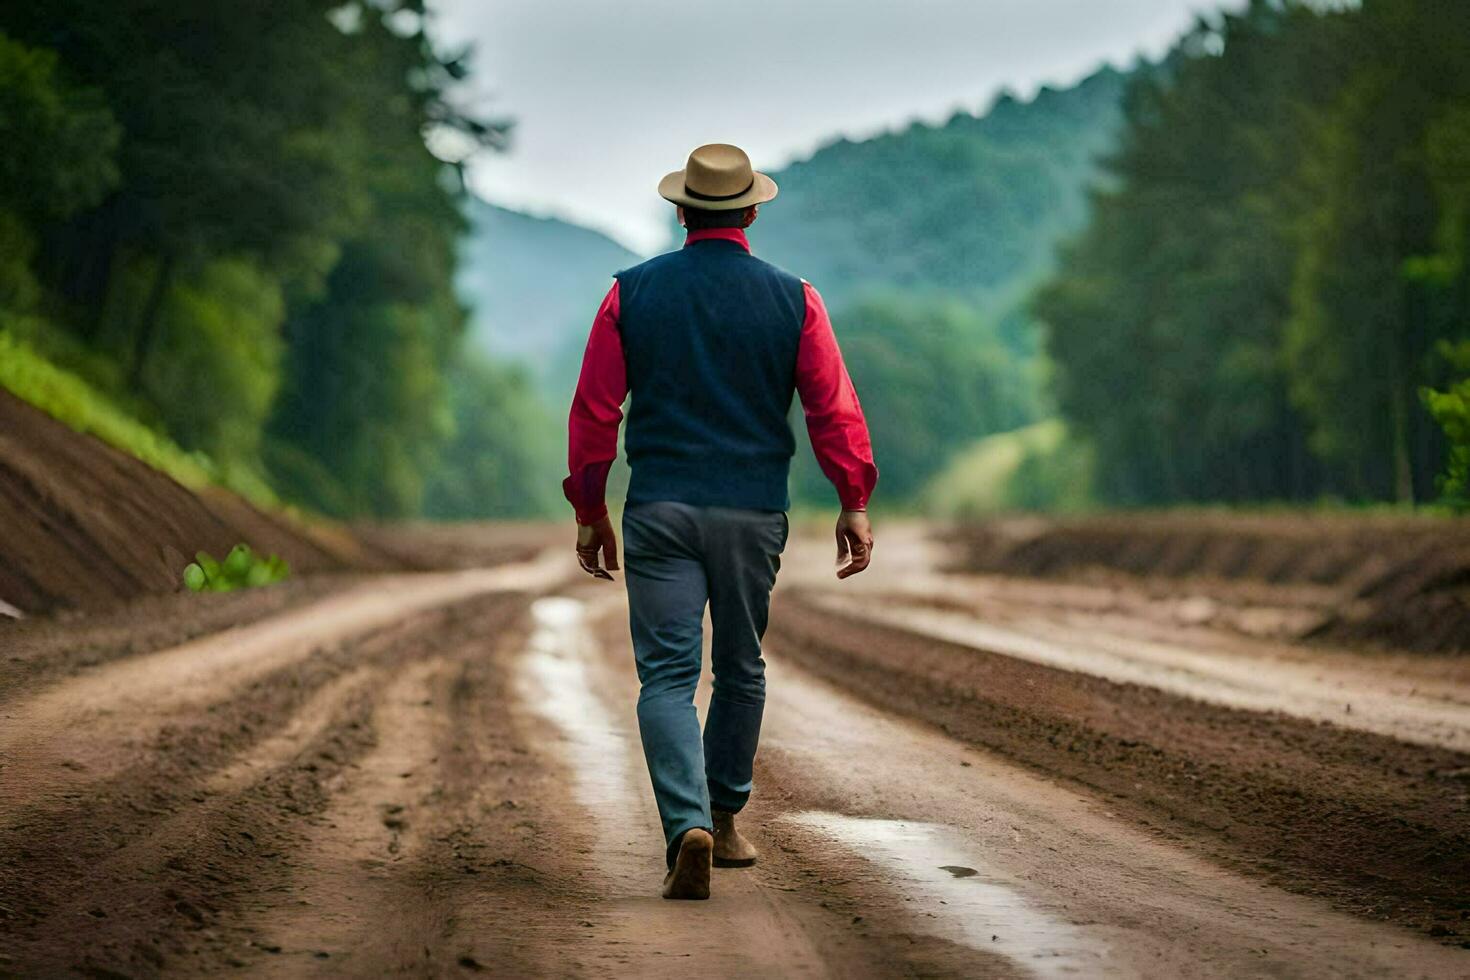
[718, 177]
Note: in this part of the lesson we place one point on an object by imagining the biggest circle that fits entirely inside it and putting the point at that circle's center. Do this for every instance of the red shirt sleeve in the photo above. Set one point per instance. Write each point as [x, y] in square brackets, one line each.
[834, 419]
[597, 410]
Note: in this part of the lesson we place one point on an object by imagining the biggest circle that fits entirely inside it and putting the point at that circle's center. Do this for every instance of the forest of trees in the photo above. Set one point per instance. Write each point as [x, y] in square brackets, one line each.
[223, 220]
[1271, 300]
[222, 223]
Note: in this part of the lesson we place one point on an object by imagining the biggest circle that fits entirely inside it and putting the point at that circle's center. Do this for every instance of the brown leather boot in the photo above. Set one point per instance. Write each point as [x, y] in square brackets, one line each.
[732, 850]
[689, 877]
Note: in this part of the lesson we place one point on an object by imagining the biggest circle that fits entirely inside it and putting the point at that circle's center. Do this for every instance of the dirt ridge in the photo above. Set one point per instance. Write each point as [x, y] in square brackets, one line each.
[209, 813]
[1378, 825]
[1398, 581]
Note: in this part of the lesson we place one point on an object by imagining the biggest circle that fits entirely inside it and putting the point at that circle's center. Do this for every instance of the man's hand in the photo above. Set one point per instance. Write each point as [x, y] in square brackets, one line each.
[592, 539]
[854, 542]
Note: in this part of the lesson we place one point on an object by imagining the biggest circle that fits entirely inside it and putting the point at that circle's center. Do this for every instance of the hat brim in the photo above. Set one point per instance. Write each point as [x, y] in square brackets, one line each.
[762, 189]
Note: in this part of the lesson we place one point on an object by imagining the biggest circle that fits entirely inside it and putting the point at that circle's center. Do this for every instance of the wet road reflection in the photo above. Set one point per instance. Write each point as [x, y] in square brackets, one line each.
[961, 902]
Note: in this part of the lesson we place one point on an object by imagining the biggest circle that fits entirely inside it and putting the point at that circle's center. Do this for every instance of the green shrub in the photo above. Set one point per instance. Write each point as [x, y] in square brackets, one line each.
[241, 569]
[1451, 409]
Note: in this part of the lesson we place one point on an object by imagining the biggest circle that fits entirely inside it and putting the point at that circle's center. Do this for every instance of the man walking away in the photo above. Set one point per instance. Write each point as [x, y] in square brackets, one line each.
[712, 343]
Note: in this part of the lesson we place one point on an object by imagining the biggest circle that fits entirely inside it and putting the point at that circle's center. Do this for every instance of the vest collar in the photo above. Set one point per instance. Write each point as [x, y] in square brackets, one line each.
[735, 235]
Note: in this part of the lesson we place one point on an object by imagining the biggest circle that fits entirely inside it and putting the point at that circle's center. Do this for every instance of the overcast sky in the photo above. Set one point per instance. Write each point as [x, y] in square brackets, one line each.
[607, 97]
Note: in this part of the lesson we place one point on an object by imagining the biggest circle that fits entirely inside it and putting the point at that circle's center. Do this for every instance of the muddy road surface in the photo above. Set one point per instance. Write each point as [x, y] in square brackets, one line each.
[960, 775]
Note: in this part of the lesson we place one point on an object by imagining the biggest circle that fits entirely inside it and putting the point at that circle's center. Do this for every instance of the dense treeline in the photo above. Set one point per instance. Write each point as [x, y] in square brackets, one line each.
[225, 217]
[507, 454]
[1274, 275]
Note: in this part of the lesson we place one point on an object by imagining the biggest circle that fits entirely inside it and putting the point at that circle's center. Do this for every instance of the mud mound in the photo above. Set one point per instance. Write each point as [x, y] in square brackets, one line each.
[86, 526]
[1422, 604]
[1400, 581]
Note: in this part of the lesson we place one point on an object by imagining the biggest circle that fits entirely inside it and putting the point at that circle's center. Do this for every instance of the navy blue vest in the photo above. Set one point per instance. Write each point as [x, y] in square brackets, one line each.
[710, 335]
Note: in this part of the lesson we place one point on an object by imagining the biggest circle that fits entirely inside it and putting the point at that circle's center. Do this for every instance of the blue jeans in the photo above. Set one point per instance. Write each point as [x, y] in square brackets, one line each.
[678, 558]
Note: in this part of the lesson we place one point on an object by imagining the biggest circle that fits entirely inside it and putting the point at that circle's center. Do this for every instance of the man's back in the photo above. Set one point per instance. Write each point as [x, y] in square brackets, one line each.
[710, 338]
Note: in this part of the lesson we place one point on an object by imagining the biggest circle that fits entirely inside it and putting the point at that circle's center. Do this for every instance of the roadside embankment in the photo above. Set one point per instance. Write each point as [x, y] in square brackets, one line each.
[87, 526]
[1398, 581]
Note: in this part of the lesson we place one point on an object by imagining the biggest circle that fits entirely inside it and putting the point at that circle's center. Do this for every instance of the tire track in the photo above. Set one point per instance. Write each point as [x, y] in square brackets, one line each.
[155, 862]
[346, 910]
[1378, 825]
[1346, 698]
[151, 883]
[424, 862]
[98, 724]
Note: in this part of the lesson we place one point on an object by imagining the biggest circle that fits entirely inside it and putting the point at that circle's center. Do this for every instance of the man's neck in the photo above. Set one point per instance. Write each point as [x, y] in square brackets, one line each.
[736, 235]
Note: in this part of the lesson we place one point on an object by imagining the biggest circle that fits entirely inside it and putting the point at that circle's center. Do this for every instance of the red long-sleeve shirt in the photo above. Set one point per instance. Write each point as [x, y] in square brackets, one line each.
[834, 418]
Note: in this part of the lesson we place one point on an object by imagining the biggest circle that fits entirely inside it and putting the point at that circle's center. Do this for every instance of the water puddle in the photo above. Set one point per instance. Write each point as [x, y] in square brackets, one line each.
[962, 902]
[556, 681]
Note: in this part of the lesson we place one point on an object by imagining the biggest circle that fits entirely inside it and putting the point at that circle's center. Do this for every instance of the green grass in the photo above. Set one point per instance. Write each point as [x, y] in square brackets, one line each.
[1036, 468]
[71, 400]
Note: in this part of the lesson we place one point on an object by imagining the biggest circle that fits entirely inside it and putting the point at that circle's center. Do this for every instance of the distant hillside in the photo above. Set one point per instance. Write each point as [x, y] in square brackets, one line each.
[534, 284]
[974, 206]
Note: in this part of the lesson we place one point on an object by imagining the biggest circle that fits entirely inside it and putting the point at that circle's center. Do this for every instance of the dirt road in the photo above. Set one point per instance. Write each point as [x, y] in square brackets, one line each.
[439, 774]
